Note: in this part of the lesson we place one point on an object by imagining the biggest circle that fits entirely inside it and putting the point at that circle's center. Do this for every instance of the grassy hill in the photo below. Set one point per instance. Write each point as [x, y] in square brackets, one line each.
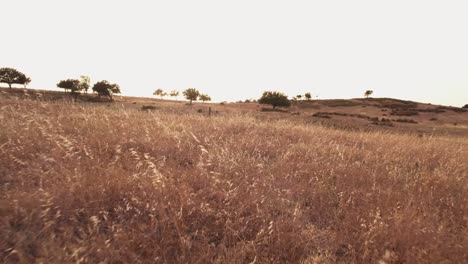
[142, 180]
[381, 114]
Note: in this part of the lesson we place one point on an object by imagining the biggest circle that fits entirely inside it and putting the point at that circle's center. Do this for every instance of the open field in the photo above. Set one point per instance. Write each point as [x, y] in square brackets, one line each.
[91, 182]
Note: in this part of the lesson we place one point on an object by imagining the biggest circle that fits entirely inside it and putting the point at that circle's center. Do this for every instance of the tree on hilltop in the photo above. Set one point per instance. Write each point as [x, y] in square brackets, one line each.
[191, 94]
[174, 93]
[204, 98]
[368, 93]
[104, 88]
[85, 83]
[73, 85]
[308, 96]
[159, 92]
[275, 99]
[13, 76]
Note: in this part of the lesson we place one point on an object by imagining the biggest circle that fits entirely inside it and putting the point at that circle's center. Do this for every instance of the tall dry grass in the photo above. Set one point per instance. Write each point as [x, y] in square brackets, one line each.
[84, 183]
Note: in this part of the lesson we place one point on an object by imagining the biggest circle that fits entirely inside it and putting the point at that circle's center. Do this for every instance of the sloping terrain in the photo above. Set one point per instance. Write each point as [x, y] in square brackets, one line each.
[111, 182]
[381, 114]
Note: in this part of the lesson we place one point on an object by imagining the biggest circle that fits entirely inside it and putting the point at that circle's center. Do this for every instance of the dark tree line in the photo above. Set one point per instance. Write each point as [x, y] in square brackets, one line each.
[102, 88]
[12, 76]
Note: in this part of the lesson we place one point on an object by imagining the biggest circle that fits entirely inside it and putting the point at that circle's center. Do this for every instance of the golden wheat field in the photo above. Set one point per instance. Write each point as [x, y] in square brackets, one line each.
[97, 183]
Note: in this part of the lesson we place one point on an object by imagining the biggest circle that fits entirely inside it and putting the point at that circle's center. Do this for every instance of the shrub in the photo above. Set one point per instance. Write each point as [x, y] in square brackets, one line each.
[403, 112]
[148, 107]
[322, 115]
[263, 109]
[454, 109]
[405, 120]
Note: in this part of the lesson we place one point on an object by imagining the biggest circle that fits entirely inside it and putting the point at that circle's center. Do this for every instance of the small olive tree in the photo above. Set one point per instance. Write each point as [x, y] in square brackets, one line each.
[275, 99]
[174, 93]
[308, 96]
[368, 93]
[204, 98]
[191, 94]
[85, 83]
[159, 92]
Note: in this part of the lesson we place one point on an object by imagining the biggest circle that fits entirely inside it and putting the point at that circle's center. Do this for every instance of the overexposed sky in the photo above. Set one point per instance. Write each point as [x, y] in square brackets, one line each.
[234, 50]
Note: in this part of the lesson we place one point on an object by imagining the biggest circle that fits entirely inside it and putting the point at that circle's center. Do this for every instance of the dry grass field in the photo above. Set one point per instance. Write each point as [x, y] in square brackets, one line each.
[110, 183]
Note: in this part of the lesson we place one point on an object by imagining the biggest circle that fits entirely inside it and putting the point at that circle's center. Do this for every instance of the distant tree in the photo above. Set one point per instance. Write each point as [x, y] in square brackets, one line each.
[204, 98]
[104, 88]
[274, 99]
[159, 92]
[368, 93]
[72, 85]
[12, 76]
[191, 94]
[299, 96]
[85, 83]
[308, 96]
[174, 93]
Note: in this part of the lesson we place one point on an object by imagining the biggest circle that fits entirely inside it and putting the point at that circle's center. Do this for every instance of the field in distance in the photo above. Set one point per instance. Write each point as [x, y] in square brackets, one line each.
[142, 180]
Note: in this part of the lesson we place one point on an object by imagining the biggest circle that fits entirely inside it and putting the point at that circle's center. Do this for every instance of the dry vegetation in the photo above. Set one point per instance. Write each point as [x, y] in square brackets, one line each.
[91, 183]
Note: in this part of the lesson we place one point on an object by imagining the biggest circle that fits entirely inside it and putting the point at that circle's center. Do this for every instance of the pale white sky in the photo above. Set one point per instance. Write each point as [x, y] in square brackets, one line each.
[234, 50]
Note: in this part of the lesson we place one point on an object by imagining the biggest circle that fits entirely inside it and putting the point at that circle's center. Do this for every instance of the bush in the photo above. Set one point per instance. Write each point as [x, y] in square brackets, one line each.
[322, 115]
[148, 108]
[403, 112]
[454, 109]
[404, 120]
[382, 123]
[339, 103]
[273, 110]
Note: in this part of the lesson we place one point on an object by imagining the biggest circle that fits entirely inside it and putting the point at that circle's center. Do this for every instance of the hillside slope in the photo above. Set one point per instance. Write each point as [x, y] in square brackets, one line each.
[382, 114]
[101, 182]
